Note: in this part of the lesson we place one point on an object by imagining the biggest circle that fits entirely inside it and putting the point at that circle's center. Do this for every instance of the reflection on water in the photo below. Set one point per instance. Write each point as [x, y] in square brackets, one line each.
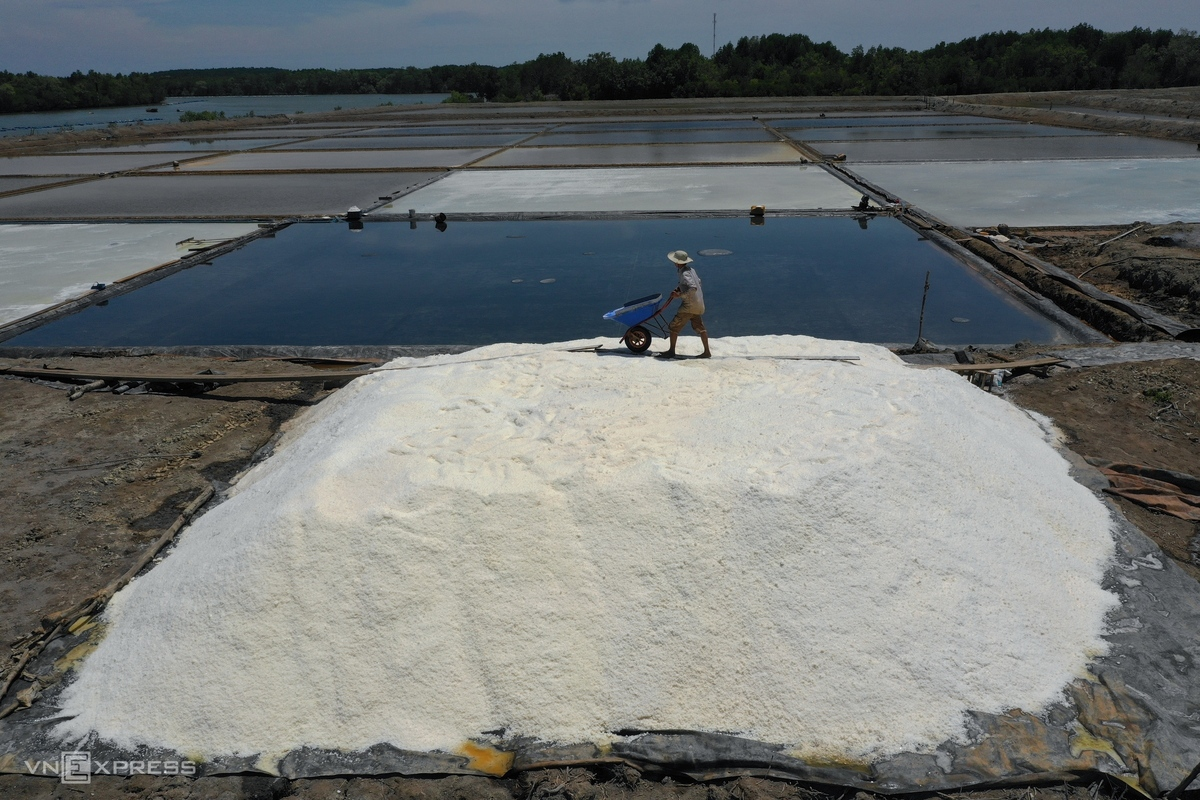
[543, 281]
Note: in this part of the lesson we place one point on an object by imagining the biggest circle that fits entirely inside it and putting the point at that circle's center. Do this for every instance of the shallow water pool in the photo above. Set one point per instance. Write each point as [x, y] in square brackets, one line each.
[552, 280]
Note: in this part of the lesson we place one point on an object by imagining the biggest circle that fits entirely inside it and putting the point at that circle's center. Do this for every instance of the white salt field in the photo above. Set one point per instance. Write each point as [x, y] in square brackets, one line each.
[641, 189]
[41, 265]
[934, 140]
[1046, 193]
[688, 533]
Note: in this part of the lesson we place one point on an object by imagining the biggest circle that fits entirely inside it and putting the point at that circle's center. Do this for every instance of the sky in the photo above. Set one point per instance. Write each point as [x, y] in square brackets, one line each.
[56, 37]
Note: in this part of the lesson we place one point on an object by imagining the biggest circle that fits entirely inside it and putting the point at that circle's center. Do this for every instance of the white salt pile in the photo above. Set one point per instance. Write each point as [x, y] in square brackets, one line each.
[841, 557]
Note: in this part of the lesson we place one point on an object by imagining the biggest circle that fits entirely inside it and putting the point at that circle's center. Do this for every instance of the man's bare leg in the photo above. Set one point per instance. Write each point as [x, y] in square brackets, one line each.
[698, 327]
[671, 350]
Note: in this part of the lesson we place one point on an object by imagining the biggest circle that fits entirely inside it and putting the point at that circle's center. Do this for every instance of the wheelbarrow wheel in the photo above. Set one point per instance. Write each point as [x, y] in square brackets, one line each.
[637, 339]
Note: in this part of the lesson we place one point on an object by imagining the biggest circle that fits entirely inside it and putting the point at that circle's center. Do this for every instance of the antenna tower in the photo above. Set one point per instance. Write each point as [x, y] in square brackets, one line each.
[714, 52]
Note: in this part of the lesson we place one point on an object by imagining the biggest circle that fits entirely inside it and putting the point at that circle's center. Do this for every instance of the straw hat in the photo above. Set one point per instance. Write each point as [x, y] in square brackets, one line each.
[680, 257]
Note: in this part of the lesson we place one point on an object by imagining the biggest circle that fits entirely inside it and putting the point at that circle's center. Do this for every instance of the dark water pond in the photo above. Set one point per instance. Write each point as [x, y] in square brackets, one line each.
[544, 281]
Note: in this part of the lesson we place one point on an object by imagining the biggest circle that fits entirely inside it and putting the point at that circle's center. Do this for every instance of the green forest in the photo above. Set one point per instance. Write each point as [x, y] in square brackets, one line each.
[756, 66]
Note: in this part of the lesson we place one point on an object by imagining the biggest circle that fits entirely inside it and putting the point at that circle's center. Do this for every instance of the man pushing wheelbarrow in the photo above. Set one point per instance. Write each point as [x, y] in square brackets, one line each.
[642, 314]
[692, 306]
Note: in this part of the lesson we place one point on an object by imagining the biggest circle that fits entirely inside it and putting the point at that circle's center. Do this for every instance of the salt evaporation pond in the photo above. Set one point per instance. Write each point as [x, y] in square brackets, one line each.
[1046, 193]
[41, 265]
[959, 131]
[883, 120]
[653, 136]
[843, 558]
[201, 195]
[543, 281]
[650, 189]
[203, 145]
[1029, 148]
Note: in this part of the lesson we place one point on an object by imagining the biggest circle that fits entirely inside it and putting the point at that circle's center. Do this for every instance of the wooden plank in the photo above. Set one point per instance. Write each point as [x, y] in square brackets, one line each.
[1032, 362]
[119, 377]
[330, 375]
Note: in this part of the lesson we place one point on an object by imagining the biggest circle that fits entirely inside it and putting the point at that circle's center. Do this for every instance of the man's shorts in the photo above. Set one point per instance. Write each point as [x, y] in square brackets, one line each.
[681, 319]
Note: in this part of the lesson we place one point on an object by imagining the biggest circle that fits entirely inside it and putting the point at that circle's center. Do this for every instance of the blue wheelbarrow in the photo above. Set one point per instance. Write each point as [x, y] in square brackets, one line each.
[640, 317]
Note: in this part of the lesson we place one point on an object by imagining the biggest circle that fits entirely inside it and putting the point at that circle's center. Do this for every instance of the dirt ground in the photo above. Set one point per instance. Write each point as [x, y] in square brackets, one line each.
[1144, 413]
[1182, 103]
[90, 483]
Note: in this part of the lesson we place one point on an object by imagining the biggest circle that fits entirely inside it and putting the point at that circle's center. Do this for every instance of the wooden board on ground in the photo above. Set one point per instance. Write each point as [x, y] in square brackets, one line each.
[1031, 362]
[131, 377]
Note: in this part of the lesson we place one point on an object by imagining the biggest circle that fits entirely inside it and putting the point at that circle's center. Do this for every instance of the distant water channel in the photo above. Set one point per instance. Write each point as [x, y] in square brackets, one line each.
[169, 110]
[552, 280]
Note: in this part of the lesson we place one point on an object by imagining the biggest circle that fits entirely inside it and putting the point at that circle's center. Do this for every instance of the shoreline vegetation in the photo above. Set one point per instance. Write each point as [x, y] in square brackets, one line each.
[774, 65]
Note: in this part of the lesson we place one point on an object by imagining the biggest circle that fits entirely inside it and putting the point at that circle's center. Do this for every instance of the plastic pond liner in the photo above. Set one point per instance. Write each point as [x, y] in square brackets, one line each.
[543, 281]
[848, 572]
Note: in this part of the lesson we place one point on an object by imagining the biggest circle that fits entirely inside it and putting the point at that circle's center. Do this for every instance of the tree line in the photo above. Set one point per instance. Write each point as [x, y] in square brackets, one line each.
[1080, 58]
